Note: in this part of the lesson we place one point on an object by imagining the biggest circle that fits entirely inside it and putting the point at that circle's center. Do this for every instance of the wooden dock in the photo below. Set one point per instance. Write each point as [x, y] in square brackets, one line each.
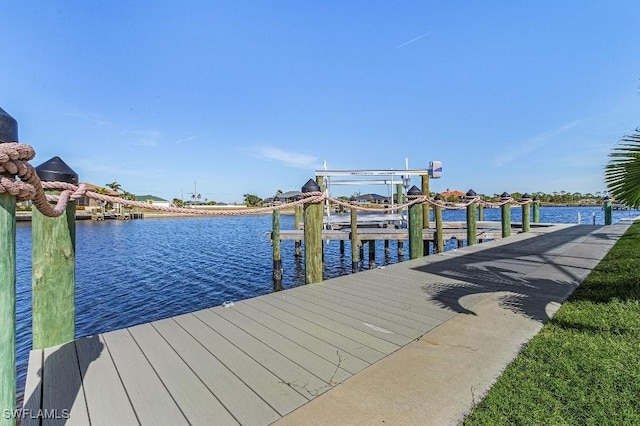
[254, 361]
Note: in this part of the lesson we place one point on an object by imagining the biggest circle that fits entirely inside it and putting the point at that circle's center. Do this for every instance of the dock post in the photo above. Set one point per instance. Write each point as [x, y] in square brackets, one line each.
[536, 210]
[425, 214]
[8, 133]
[415, 224]
[400, 248]
[354, 240]
[312, 236]
[480, 212]
[607, 211]
[342, 247]
[472, 227]
[275, 244]
[372, 253]
[386, 248]
[425, 206]
[526, 213]
[53, 255]
[297, 220]
[439, 237]
[506, 214]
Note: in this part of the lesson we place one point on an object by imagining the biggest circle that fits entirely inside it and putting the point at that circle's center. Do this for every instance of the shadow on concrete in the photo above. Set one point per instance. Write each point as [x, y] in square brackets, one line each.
[535, 272]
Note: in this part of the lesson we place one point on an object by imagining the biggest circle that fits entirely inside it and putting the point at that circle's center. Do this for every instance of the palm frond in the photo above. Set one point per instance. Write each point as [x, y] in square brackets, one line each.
[622, 174]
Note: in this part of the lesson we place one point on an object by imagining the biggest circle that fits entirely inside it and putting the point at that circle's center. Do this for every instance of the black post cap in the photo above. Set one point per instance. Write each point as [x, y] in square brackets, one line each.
[8, 128]
[56, 170]
[471, 193]
[607, 198]
[311, 186]
[414, 192]
[526, 196]
[505, 195]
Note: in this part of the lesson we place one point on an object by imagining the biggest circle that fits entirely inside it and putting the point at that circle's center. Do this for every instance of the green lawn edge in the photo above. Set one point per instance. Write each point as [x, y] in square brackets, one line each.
[583, 368]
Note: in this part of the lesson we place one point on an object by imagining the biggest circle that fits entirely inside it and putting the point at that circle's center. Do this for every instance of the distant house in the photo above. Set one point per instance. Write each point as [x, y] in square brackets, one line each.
[89, 203]
[153, 200]
[452, 193]
[371, 199]
[285, 197]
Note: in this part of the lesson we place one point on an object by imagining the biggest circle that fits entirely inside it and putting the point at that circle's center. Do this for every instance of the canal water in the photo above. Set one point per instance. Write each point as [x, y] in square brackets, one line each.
[132, 272]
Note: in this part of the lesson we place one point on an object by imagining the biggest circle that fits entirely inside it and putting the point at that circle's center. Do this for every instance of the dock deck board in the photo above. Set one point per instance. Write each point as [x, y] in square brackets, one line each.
[255, 361]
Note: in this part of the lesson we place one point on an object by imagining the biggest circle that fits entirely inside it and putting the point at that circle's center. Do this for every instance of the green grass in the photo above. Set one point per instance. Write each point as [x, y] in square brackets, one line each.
[583, 368]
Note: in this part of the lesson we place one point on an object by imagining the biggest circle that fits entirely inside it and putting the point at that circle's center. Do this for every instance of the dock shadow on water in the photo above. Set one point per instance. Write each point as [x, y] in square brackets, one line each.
[536, 274]
[58, 395]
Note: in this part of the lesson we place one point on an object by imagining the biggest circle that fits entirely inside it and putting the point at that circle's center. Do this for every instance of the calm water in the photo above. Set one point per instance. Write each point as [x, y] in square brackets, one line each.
[138, 271]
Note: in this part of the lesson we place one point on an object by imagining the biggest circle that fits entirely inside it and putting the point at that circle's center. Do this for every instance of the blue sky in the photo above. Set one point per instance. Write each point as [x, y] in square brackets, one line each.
[251, 97]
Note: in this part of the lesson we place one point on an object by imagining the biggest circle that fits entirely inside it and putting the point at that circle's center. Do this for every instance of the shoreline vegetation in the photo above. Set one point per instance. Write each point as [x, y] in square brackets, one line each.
[584, 365]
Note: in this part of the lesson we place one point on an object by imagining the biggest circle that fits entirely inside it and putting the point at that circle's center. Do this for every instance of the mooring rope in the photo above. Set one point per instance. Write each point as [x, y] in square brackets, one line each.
[15, 157]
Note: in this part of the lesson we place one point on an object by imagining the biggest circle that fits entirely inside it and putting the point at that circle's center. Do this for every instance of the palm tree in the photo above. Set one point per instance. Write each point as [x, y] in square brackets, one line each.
[622, 174]
[115, 186]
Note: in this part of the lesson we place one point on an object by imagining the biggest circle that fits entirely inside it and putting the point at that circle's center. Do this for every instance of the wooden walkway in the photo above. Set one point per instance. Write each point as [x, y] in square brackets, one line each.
[255, 361]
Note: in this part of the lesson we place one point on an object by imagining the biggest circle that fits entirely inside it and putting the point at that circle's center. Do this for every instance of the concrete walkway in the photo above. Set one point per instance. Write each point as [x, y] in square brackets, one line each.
[510, 289]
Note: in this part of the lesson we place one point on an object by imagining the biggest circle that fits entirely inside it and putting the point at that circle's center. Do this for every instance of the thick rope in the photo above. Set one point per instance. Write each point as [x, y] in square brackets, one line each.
[14, 159]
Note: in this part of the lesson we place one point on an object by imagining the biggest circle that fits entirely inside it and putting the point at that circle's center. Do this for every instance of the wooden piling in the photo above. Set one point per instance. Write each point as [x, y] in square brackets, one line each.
[372, 253]
[400, 248]
[526, 213]
[415, 225]
[386, 248]
[354, 240]
[312, 236]
[275, 245]
[608, 218]
[399, 194]
[297, 225]
[342, 247]
[7, 305]
[506, 215]
[53, 253]
[536, 210]
[425, 209]
[472, 227]
[439, 237]
[8, 133]
[480, 212]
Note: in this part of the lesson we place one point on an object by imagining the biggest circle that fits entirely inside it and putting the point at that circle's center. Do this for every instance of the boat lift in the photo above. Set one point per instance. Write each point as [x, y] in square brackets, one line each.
[389, 178]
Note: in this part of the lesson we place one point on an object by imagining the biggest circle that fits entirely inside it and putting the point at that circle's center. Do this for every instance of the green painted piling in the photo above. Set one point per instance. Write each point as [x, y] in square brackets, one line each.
[7, 305]
[415, 225]
[439, 237]
[399, 194]
[354, 240]
[526, 213]
[472, 227]
[53, 277]
[506, 215]
[312, 236]
[425, 208]
[53, 253]
[8, 133]
[480, 212]
[275, 245]
[608, 219]
[536, 210]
